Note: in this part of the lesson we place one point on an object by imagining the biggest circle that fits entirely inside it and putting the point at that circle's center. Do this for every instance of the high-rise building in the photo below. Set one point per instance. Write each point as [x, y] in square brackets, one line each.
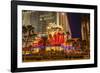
[85, 28]
[26, 17]
[40, 20]
[62, 20]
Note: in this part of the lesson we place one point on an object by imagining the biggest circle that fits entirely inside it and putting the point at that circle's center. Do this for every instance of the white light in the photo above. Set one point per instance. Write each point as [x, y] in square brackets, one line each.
[62, 13]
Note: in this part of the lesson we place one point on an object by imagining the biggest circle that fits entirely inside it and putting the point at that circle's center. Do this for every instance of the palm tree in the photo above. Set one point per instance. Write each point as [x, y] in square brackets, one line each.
[24, 29]
[30, 30]
[24, 37]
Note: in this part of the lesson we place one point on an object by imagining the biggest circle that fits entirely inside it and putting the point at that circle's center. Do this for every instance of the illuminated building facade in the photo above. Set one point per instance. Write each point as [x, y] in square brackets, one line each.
[62, 20]
[41, 20]
[85, 29]
[54, 35]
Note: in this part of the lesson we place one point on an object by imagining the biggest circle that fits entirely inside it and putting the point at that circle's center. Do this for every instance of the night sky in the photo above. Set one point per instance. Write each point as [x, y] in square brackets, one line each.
[75, 24]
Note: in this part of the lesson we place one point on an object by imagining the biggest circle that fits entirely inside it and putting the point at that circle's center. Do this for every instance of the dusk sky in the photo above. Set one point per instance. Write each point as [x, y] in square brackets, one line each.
[75, 24]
